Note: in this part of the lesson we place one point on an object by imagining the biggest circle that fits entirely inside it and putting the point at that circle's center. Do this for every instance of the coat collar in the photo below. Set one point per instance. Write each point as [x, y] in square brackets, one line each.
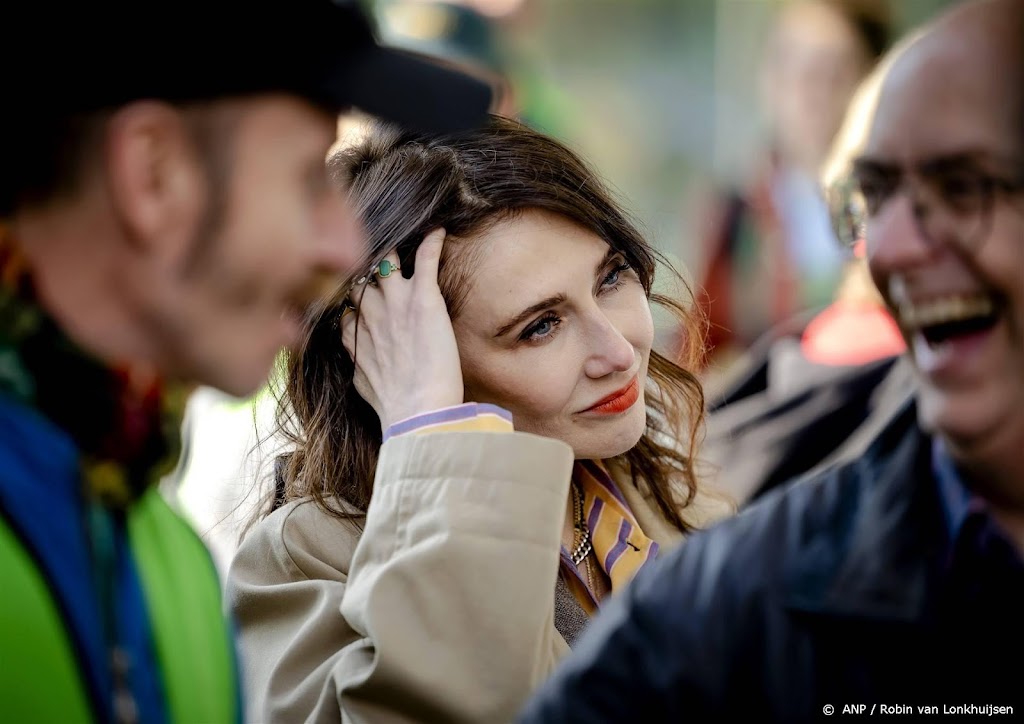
[705, 509]
[879, 553]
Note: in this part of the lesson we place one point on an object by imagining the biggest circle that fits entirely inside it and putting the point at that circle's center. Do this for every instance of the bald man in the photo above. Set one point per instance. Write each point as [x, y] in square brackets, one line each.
[895, 582]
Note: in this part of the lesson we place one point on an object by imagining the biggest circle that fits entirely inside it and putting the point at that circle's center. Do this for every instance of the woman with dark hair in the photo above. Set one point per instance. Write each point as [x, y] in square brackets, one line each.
[425, 561]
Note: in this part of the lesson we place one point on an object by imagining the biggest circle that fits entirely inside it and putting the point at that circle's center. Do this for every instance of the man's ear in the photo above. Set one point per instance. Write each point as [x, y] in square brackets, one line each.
[156, 181]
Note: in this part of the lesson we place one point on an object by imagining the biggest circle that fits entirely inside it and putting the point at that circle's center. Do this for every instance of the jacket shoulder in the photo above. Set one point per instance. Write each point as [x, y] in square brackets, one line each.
[748, 555]
[299, 541]
[809, 522]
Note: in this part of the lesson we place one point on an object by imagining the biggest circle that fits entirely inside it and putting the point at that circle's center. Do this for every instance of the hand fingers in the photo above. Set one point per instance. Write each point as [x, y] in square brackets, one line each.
[364, 388]
[428, 257]
[347, 324]
[360, 280]
[366, 298]
[392, 279]
[356, 339]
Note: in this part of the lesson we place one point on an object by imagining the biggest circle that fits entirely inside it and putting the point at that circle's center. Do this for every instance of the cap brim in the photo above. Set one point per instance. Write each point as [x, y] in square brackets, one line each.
[416, 92]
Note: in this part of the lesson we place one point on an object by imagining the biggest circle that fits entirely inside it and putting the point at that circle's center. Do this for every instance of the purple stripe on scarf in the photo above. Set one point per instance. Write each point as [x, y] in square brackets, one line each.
[619, 548]
[595, 515]
[605, 481]
[652, 553]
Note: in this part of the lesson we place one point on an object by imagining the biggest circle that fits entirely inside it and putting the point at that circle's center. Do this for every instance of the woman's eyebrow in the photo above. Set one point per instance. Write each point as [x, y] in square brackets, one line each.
[550, 301]
[529, 311]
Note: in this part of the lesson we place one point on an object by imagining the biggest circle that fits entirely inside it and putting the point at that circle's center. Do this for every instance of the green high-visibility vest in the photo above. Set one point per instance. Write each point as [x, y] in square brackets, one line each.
[40, 679]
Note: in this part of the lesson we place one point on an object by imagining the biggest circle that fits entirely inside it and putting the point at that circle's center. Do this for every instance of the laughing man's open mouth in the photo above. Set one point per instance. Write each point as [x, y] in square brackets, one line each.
[945, 318]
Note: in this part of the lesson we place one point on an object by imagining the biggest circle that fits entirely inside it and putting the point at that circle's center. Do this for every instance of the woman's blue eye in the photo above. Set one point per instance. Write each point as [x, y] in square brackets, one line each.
[613, 276]
[544, 327]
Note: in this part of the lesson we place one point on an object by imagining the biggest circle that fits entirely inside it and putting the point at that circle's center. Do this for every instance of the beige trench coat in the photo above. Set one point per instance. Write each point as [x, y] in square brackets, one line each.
[442, 610]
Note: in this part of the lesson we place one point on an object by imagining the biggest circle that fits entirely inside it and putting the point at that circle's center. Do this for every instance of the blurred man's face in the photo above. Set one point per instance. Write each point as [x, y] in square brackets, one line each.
[942, 173]
[282, 234]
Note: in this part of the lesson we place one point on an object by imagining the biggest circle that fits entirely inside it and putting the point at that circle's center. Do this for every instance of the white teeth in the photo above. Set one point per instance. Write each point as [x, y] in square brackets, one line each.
[941, 311]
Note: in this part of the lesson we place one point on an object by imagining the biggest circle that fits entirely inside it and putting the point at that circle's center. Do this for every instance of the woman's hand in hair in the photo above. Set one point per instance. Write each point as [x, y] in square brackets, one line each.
[402, 341]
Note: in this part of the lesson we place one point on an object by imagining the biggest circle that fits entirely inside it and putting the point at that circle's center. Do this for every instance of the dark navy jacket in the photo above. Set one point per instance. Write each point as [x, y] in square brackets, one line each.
[848, 588]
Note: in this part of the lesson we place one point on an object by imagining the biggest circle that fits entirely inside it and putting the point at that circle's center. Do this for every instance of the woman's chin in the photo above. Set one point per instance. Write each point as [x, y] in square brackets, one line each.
[619, 442]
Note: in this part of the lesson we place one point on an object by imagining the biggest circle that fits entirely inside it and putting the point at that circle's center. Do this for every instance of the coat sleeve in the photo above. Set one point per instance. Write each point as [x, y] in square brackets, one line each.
[444, 609]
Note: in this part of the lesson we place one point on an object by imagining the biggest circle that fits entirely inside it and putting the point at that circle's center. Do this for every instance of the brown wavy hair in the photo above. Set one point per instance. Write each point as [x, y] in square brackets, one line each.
[403, 185]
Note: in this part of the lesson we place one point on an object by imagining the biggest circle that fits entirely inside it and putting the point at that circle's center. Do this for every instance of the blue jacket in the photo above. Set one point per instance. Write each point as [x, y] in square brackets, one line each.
[841, 590]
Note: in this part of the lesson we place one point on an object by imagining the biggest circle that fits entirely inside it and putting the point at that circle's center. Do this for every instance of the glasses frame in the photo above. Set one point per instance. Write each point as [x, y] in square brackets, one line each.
[850, 213]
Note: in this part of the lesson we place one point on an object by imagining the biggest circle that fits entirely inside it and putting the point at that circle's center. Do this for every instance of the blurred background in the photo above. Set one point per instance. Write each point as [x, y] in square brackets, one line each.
[709, 118]
[665, 97]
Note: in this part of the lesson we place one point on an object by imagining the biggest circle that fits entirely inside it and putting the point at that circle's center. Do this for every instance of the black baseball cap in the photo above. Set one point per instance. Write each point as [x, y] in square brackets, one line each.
[75, 57]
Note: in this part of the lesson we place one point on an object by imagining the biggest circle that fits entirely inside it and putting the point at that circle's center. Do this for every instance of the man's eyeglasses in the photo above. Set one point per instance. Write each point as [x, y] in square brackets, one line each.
[951, 198]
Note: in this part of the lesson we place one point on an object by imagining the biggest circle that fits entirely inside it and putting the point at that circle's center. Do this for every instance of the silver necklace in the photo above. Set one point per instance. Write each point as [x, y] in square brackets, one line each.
[583, 546]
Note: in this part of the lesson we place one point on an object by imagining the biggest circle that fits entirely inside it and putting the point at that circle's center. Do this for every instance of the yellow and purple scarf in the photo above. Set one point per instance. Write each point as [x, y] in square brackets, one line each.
[621, 547]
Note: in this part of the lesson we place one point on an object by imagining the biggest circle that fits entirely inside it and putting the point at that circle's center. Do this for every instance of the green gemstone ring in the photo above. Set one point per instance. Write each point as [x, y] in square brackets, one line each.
[386, 269]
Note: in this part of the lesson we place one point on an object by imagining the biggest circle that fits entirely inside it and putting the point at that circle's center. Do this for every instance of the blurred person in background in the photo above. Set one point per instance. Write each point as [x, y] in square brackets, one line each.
[428, 561]
[897, 577]
[768, 249]
[808, 392]
[162, 225]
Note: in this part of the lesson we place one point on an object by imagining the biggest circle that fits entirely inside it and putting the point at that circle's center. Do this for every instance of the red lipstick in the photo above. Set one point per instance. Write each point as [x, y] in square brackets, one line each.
[619, 401]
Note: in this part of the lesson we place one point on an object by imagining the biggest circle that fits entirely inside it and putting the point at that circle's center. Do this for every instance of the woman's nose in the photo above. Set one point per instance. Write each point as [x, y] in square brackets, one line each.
[610, 351]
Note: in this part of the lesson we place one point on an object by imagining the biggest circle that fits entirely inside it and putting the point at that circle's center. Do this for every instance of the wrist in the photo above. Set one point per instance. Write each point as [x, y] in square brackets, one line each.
[399, 414]
[469, 416]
